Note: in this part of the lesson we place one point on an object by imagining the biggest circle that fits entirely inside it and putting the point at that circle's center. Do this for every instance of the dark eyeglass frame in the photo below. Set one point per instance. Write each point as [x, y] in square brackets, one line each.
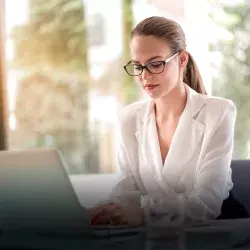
[146, 66]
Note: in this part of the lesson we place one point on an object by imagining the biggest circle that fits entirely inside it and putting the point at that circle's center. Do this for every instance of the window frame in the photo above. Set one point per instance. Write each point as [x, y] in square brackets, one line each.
[3, 85]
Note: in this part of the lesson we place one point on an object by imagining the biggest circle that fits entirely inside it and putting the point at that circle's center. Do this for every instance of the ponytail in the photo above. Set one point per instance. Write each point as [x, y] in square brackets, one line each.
[172, 33]
[193, 78]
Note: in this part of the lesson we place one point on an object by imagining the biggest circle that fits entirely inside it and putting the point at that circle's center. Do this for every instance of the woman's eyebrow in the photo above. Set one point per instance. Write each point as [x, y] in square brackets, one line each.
[152, 58]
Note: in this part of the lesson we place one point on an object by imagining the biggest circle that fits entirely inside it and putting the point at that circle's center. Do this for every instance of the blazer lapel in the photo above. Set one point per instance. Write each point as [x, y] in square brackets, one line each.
[149, 150]
[184, 147]
[186, 143]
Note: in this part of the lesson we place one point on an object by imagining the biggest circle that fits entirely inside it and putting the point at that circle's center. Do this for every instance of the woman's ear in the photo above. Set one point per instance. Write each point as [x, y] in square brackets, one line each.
[184, 56]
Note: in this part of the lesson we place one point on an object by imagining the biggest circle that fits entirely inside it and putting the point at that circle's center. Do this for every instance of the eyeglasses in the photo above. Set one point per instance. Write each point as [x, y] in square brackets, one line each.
[158, 67]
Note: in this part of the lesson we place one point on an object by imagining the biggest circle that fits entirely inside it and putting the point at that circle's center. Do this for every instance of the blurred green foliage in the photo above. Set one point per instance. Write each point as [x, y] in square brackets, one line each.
[233, 81]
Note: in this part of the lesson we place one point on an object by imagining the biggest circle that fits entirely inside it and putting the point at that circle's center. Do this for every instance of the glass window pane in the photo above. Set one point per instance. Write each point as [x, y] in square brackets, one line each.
[65, 77]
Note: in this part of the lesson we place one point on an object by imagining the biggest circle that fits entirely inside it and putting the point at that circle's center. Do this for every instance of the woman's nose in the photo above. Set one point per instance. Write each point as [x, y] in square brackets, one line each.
[145, 74]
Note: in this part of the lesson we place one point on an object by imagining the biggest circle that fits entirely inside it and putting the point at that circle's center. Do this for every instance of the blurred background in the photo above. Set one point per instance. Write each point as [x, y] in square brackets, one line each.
[64, 78]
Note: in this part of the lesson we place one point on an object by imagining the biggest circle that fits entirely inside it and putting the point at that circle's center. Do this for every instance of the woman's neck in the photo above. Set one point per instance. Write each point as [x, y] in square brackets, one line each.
[171, 106]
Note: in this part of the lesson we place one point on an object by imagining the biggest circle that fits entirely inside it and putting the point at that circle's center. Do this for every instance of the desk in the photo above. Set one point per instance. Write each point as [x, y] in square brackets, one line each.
[215, 235]
[134, 242]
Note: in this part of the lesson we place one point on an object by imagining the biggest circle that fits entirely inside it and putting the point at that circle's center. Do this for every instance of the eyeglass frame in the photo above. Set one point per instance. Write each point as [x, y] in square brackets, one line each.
[145, 66]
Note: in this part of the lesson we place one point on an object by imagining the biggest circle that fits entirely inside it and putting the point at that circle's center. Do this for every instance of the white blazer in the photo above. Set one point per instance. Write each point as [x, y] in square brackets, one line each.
[196, 175]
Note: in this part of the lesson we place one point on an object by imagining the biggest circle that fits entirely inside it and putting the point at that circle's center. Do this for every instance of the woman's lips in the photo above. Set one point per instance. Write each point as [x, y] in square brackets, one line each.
[150, 86]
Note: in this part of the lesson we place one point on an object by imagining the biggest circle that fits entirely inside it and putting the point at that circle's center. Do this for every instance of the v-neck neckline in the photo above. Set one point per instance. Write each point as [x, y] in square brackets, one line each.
[159, 155]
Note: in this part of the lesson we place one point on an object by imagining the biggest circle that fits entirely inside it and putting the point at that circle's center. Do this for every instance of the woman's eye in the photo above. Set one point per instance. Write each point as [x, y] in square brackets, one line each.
[155, 65]
[137, 67]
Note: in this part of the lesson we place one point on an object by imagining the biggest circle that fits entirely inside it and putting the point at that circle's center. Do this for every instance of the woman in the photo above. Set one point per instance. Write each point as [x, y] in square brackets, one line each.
[175, 149]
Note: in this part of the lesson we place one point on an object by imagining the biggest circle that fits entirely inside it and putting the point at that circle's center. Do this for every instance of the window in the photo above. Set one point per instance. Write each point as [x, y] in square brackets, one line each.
[96, 30]
[65, 89]
[3, 101]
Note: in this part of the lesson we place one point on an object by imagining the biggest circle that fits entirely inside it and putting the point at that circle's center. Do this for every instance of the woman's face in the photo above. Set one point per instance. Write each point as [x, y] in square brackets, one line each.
[149, 49]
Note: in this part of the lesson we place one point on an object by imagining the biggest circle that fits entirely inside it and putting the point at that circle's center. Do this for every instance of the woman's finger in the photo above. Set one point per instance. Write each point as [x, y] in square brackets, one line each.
[102, 219]
[97, 210]
[94, 209]
[111, 211]
[105, 208]
[102, 212]
[110, 216]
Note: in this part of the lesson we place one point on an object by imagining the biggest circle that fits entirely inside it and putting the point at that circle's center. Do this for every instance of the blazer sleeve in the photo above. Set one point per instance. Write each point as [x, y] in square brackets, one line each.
[126, 190]
[213, 179]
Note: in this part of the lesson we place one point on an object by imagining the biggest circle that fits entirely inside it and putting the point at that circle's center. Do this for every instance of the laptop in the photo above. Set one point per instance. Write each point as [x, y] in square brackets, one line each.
[36, 195]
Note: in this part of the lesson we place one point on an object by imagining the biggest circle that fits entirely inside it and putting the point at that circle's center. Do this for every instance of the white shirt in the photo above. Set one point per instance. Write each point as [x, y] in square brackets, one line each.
[196, 175]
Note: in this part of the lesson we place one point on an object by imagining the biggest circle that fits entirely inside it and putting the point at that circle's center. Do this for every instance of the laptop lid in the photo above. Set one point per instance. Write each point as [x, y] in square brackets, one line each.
[36, 193]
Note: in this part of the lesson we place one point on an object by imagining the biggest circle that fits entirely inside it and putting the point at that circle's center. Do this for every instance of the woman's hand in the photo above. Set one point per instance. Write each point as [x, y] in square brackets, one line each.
[116, 214]
[107, 213]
